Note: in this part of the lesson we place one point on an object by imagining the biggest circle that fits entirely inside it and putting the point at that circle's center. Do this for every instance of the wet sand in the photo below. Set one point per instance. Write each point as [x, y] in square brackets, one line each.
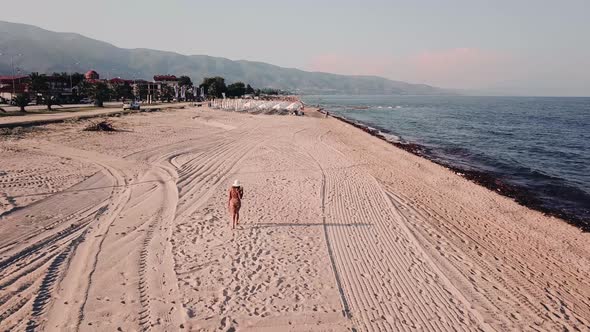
[340, 230]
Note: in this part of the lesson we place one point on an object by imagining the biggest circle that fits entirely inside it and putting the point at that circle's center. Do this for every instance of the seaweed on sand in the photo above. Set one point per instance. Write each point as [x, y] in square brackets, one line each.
[100, 126]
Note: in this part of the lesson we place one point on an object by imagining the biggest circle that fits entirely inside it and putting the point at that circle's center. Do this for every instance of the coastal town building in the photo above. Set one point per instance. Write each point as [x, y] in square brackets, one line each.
[12, 85]
[91, 75]
[60, 85]
[163, 87]
[119, 81]
[169, 80]
[139, 86]
[166, 87]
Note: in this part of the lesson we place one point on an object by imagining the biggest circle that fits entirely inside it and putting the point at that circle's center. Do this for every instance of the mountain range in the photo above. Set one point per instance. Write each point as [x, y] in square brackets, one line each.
[38, 50]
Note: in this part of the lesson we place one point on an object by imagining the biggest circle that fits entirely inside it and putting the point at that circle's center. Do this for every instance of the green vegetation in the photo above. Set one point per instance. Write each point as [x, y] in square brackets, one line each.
[214, 86]
[167, 93]
[250, 90]
[39, 83]
[47, 89]
[49, 100]
[22, 101]
[99, 92]
[123, 91]
[55, 89]
[185, 81]
[272, 92]
[237, 89]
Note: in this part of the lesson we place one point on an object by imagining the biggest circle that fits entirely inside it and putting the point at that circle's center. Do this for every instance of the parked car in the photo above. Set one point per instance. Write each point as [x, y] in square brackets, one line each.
[86, 101]
[134, 105]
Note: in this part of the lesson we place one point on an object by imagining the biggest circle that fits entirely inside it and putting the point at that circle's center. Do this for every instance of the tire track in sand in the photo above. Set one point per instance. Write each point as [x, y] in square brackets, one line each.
[498, 291]
[514, 272]
[387, 280]
[345, 306]
[87, 273]
[46, 250]
[196, 177]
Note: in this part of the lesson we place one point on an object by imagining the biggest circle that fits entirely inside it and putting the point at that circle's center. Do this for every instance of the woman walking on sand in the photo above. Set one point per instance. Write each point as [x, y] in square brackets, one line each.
[236, 192]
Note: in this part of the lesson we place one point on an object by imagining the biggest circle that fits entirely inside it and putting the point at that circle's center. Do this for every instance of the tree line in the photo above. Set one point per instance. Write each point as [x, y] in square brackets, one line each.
[43, 88]
[215, 87]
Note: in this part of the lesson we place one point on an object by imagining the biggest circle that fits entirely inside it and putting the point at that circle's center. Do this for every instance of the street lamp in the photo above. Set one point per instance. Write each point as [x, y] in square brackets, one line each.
[135, 87]
[71, 72]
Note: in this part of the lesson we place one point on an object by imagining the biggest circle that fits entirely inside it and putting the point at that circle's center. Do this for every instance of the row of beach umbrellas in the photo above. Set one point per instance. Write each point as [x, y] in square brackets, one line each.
[247, 105]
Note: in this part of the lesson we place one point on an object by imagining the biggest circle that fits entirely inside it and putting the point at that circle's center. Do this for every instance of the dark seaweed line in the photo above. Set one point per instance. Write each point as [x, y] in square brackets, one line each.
[521, 195]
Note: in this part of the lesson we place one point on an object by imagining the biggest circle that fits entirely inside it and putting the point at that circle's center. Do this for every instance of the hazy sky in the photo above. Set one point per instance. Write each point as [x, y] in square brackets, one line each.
[519, 46]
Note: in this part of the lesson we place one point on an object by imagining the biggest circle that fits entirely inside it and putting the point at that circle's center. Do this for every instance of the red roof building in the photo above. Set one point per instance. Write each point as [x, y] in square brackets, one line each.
[119, 81]
[16, 84]
[91, 75]
[165, 78]
[10, 79]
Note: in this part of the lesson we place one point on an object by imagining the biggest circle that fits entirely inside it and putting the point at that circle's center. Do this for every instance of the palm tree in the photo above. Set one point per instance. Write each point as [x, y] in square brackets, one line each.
[102, 93]
[22, 100]
[39, 83]
[49, 101]
[167, 93]
[99, 91]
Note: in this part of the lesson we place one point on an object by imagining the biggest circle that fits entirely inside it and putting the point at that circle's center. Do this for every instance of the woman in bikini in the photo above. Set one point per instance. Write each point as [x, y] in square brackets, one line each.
[236, 192]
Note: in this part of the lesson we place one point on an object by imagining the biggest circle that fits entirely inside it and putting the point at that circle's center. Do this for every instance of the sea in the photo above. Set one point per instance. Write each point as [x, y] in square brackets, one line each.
[538, 145]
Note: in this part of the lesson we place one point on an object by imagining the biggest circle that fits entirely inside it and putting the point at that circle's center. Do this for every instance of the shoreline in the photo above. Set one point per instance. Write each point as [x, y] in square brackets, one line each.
[519, 194]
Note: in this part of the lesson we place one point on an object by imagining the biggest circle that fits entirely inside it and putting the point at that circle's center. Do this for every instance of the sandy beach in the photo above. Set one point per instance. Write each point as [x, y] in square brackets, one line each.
[340, 231]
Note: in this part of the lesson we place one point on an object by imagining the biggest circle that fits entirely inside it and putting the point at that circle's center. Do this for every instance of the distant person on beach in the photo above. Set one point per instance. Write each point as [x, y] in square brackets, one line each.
[327, 114]
[236, 192]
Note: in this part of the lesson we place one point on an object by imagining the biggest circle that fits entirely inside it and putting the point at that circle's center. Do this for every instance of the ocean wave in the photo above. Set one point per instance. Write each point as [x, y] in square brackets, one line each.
[391, 137]
[508, 140]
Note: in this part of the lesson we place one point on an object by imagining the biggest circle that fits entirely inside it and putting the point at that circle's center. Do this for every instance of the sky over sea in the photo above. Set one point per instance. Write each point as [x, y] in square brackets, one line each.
[522, 47]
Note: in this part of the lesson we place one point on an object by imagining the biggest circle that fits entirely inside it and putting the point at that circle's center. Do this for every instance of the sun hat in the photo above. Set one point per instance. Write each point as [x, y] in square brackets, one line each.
[236, 184]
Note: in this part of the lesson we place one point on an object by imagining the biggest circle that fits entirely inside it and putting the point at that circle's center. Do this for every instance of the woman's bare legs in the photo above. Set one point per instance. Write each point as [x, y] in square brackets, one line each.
[235, 219]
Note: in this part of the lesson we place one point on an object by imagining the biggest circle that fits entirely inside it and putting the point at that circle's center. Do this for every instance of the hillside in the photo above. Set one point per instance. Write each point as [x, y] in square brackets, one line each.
[46, 51]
